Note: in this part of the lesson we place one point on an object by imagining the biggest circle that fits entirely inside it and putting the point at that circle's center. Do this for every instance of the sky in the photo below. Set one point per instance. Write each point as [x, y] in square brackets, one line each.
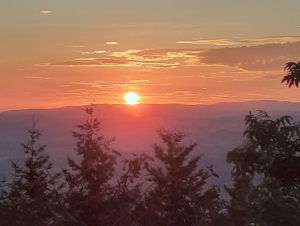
[56, 53]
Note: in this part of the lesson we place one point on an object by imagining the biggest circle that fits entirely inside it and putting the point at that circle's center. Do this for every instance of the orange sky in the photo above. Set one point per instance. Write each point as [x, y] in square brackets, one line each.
[60, 53]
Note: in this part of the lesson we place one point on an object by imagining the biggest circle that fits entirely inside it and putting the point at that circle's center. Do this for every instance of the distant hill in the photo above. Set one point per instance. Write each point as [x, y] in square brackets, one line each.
[217, 128]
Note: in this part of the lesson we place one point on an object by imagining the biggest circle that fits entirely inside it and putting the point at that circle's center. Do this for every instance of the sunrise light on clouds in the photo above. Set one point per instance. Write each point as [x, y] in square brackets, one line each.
[46, 12]
[150, 112]
[167, 51]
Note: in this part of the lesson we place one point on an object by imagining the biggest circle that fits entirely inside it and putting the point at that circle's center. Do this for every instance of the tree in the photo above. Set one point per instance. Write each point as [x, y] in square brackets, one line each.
[88, 199]
[30, 198]
[178, 194]
[266, 173]
[128, 194]
[174, 193]
[96, 196]
[293, 74]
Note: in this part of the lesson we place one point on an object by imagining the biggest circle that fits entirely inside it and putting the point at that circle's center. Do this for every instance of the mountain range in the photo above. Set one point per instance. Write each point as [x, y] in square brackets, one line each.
[216, 128]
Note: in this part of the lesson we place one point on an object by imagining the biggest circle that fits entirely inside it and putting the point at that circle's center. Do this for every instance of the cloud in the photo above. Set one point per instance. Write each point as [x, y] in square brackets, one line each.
[90, 62]
[266, 57]
[46, 12]
[139, 81]
[93, 52]
[239, 74]
[161, 65]
[42, 78]
[113, 84]
[146, 58]
[167, 58]
[111, 43]
[257, 58]
[245, 42]
[129, 58]
[85, 92]
[77, 46]
[108, 62]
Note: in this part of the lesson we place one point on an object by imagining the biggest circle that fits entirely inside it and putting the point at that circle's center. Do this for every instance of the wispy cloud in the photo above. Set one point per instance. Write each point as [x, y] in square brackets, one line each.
[245, 42]
[85, 92]
[267, 57]
[93, 52]
[42, 78]
[46, 12]
[257, 58]
[139, 81]
[117, 59]
[113, 84]
[146, 58]
[77, 46]
[111, 43]
[90, 62]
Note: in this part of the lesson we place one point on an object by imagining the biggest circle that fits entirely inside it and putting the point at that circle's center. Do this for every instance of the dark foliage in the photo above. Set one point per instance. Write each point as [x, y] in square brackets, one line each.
[30, 197]
[89, 191]
[293, 74]
[266, 173]
[169, 189]
[177, 193]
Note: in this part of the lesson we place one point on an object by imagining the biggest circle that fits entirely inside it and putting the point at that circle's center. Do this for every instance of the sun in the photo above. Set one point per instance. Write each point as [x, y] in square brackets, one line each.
[131, 98]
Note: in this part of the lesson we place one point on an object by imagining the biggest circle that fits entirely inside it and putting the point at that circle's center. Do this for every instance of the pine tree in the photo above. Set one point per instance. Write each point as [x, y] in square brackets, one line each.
[89, 182]
[30, 197]
[128, 192]
[178, 194]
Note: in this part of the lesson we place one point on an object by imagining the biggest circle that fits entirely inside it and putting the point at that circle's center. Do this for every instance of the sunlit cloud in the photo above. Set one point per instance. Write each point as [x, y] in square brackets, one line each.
[137, 81]
[93, 52]
[183, 96]
[160, 58]
[223, 96]
[109, 62]
[248, 75]
[111, 43]
[42, 78]
[91, 62]
[147, 59]
[113, 84]
[161, 65]
[237, 74]
[257, 58]
[246, 42]
[258, 95]
[127, 54]
[267, 57]
[46, 12]
[86, 92]
[77, 46]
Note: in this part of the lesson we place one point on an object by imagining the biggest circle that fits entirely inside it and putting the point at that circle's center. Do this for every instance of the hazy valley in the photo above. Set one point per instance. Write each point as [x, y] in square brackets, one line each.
[216, 128]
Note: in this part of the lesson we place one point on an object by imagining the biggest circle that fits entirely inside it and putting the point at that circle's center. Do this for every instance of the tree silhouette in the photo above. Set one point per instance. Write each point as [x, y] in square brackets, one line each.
[266, 173]
[96, 196]
[88, 181]
[30, 198]
[293, 74]
[178, 194]
[171, 191]
[128, 194]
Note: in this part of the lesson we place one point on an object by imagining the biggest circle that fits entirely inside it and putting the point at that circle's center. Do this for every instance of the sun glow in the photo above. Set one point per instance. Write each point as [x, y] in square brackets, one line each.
[131, 98]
